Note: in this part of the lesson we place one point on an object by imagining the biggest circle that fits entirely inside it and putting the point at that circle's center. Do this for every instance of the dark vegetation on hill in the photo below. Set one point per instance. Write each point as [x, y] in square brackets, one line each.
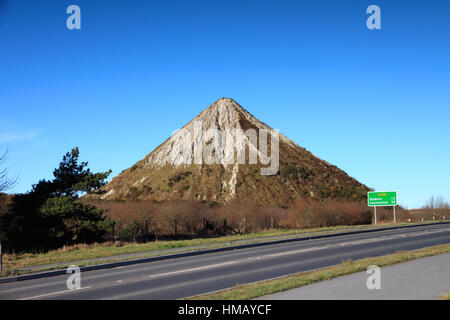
[300, 174]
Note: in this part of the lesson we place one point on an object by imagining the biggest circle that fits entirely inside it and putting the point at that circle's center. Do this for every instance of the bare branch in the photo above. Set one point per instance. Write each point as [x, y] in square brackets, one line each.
[437, 202]
[6, 183]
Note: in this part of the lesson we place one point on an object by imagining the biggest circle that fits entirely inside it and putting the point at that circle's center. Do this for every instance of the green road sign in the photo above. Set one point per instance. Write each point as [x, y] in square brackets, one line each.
[385, 198]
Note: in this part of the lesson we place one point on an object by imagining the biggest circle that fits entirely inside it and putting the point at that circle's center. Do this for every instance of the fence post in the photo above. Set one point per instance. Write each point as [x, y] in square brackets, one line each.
[113, 235]
[244, 225]
[271, 223]
[146, 230]
[175, 227]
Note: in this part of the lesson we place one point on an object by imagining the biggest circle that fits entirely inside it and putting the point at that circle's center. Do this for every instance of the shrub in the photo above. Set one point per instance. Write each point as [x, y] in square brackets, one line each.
[187, 219]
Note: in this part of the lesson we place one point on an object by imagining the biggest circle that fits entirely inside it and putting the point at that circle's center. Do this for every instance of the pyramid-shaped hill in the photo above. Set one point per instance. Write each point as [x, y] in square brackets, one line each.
[212, 158]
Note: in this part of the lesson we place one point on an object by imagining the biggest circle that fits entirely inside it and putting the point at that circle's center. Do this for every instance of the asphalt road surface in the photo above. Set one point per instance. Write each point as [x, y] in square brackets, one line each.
[189, 276]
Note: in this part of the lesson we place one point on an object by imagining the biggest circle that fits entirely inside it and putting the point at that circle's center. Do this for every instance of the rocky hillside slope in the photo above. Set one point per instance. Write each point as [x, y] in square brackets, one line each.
[194, 164]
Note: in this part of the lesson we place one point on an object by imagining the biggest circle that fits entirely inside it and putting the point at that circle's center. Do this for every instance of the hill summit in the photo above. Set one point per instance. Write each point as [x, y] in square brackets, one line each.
[225, 153]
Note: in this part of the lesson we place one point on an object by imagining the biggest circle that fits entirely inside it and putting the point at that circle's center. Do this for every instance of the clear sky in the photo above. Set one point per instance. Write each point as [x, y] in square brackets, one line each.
[376, 103]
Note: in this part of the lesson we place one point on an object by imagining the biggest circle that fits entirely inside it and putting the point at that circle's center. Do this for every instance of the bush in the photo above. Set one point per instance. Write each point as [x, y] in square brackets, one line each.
[146, 220]
[328, 213]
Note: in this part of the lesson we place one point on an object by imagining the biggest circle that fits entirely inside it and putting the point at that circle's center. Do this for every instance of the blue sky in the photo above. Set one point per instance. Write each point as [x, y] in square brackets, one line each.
[376, 103]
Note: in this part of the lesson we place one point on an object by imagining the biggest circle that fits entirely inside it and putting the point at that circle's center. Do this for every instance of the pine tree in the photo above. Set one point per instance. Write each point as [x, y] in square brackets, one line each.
[52, 214]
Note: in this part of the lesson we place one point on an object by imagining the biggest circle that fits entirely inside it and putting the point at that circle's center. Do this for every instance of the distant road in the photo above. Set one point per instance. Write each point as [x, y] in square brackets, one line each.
[188, 276]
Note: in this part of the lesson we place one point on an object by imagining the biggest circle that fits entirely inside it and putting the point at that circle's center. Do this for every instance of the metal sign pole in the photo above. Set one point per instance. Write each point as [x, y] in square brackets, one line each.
[375, 210]
[394, 213]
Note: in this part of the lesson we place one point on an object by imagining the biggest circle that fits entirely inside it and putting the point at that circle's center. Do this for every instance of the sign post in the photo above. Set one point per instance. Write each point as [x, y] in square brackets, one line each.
[375, 214]
[381, 199]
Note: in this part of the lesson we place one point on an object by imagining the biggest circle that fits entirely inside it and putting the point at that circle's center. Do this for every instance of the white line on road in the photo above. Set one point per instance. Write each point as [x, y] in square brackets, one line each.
[195, 269]
[54, 293]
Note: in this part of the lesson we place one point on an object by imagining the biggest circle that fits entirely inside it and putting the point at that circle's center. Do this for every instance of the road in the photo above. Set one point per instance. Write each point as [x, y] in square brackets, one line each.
[189, 276]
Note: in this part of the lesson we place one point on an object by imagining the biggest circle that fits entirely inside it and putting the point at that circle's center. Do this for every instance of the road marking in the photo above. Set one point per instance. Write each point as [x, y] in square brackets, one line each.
[194, 269]
[295, 251]
[54, 293]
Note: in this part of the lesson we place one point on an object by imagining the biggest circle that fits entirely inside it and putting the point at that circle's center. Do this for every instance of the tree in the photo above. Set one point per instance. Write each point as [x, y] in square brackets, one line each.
[6, 183]
[72, 178]
[437, 202]
[52, 215]
[78, 222]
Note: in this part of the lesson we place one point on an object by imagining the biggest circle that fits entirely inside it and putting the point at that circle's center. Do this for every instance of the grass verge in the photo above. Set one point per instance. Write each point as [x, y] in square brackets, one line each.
[258, 289]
